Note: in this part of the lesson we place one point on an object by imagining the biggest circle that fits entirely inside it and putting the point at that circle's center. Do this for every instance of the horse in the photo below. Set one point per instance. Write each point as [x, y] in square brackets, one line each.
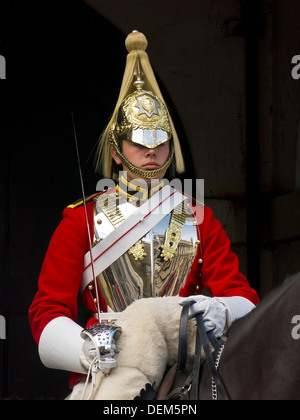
[260, 359]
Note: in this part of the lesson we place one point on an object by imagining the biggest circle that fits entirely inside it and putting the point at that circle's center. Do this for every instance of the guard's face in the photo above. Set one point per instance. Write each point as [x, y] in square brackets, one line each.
[142, 156]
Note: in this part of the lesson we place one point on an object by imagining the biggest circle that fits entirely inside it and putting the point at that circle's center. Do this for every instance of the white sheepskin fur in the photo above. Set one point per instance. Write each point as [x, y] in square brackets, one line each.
[148, 343]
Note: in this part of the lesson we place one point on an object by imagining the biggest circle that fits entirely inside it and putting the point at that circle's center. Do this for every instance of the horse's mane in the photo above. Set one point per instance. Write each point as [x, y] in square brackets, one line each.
[290, 279]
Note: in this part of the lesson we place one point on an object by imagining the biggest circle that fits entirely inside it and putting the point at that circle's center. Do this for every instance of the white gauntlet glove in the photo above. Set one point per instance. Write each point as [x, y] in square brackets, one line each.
[64, 345]
[88, 353]
[218, 313]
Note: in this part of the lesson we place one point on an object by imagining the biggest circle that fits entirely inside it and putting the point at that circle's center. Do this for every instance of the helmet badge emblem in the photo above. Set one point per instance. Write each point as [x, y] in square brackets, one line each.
[147, 105]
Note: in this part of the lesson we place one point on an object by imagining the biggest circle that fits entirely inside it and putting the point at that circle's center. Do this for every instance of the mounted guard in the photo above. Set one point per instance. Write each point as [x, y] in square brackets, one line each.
[138, 239]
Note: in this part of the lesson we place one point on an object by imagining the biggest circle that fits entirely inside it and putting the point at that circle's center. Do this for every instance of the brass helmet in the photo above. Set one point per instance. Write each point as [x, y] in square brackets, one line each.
[140, 116]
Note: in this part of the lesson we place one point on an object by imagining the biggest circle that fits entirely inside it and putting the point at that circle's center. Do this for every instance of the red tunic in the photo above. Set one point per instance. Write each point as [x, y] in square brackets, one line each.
[61, 274]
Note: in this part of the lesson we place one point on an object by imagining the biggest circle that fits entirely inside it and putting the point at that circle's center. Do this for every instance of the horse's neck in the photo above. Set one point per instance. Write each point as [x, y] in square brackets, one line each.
[260, 349]
[275, 310]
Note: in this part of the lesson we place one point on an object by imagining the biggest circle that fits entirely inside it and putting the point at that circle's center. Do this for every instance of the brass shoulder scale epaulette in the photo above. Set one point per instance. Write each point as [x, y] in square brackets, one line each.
[195, 202]
[199, 203]
[87, 200]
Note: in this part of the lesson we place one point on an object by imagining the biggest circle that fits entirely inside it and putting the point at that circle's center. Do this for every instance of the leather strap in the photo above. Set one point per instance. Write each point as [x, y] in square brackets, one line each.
[183, 335]
[203, 336]
[202, 340]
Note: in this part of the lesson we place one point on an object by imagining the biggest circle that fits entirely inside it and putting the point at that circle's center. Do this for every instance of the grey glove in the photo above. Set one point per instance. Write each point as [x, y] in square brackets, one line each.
[219, 312]
[216, 315]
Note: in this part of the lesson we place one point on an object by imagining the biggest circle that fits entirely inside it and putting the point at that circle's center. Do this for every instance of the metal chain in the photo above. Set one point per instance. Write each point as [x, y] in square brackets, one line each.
[214, 390]
[142, 173]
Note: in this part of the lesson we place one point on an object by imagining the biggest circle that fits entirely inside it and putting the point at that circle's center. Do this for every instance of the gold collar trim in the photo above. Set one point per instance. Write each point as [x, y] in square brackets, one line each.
[136, 192]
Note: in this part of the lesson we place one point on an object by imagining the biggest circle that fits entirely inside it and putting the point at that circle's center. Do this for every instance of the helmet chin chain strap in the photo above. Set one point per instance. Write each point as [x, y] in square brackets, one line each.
[104, 334]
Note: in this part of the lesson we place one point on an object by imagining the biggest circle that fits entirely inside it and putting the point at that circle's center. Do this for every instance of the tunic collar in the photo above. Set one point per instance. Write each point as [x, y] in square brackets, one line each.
[136, 189]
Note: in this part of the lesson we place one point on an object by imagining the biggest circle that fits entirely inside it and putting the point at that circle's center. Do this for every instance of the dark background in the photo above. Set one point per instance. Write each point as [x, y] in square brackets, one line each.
[64, 56]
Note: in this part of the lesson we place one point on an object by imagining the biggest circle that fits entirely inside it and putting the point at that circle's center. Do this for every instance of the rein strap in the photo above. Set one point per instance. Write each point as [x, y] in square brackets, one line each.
[202, 340]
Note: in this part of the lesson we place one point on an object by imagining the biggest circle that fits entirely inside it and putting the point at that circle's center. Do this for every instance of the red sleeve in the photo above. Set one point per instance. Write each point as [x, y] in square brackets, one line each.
[219, 272]
[61, 273]
[220, 268]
